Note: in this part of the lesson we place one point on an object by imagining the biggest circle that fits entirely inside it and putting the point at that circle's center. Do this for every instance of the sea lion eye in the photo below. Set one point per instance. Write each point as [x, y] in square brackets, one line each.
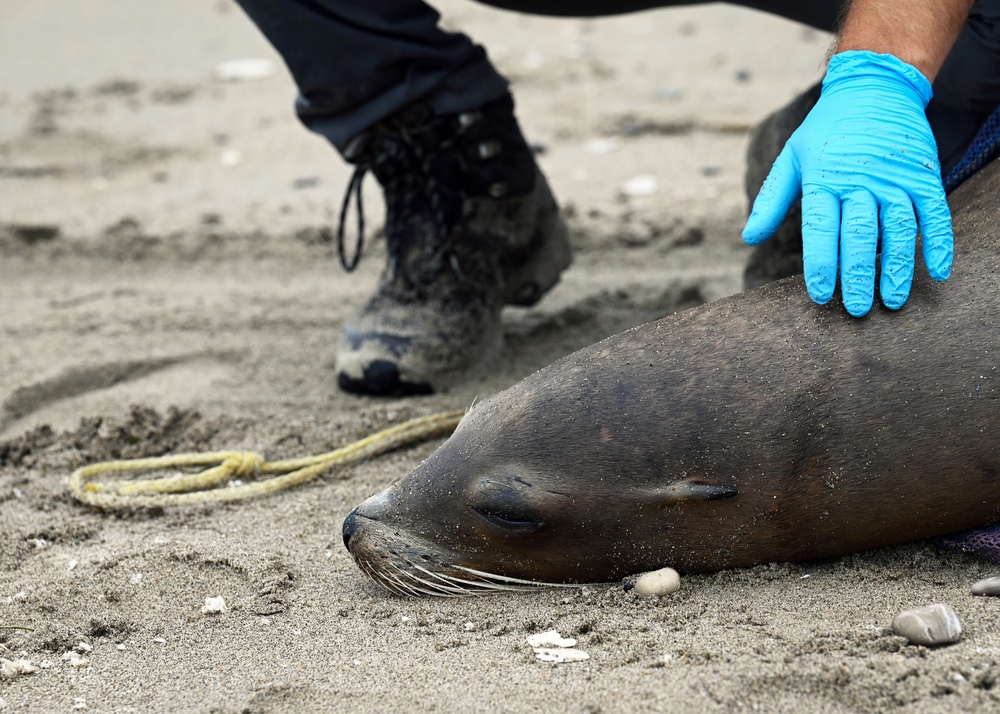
[512, 522]
[506, 507]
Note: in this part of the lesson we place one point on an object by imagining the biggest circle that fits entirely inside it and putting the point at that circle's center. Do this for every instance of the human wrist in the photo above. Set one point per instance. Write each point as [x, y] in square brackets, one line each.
[919, 32]
[854, 64]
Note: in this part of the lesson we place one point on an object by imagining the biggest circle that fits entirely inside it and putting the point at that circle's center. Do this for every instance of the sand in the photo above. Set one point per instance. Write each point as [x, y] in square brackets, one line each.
[168, 283]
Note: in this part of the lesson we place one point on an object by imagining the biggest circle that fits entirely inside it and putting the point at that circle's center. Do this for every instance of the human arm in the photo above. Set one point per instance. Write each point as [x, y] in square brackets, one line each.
[919, 32]
[865, 161]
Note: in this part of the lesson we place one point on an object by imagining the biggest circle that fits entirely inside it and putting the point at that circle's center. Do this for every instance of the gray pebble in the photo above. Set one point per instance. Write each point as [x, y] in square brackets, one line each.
[929, 625]
[669, 94]
[989, 586]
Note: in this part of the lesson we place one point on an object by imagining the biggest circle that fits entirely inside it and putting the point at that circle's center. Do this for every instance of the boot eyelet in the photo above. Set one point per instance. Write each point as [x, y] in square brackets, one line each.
[468, 119]
[489, 149]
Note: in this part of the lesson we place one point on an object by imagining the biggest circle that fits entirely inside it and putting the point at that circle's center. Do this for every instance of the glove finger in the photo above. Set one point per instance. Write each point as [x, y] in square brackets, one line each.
[899, 245]
[781, 188]
[820, 238]
[935, 226]
[858, 248]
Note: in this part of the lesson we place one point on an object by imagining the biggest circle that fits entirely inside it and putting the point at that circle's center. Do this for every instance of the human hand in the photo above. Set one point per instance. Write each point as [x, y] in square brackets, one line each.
[863, 161]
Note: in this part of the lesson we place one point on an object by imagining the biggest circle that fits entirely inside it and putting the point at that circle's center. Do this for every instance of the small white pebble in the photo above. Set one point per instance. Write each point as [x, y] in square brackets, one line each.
[231, 157]
[533, 59]
[245, 70]
[214, 605]
[79, 703]
[602, 146]
[10, 668]
[296, 632]
[136, 578]
[83, 647]
[669, 93]
[120, 648]
[929, 625]
[76, 660]
[657, 582]
[641, 186]
[357, 662]
[39, 543]
[550, 638]
[469, 627]
[46, 664]
[560, 656]
[71, 565]
[159, 640]
[988, 586]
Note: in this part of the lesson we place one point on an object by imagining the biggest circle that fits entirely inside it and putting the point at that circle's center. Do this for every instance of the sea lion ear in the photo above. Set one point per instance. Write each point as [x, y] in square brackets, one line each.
[693, 489]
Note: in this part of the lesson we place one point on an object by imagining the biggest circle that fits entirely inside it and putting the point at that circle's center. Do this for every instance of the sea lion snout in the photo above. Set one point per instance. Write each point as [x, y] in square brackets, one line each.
[350, 527]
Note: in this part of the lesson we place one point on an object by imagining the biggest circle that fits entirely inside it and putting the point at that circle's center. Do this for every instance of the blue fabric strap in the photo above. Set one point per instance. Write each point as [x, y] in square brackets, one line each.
[984, 148]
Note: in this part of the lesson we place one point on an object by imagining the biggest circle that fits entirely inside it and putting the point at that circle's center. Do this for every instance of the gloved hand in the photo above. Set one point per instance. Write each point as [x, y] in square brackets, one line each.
[862, 160]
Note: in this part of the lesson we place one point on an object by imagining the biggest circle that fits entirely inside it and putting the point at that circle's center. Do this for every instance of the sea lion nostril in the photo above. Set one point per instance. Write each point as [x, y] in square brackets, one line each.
[350, 526]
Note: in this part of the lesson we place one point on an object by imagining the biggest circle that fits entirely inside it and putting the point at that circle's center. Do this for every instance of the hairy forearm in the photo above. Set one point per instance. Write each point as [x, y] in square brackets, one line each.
[919, 32]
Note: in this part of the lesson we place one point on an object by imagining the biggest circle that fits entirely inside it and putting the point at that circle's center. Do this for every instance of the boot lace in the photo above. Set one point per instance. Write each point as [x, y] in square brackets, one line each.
[405, 168]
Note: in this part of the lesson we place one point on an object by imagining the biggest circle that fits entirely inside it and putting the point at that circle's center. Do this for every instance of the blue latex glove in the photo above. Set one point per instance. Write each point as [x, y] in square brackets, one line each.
[863, 160]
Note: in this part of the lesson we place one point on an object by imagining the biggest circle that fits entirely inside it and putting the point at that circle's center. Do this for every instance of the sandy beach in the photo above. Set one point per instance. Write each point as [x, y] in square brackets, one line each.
[169, 282]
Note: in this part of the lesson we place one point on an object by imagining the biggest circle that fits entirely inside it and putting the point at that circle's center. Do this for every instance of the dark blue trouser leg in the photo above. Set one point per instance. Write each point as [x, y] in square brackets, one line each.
[359, 61]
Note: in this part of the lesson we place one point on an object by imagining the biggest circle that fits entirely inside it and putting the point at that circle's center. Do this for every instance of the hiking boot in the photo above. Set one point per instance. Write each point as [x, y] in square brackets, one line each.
[471, 226]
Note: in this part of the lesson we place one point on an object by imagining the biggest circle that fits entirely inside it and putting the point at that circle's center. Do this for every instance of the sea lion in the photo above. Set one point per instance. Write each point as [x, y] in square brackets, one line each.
[755, 429]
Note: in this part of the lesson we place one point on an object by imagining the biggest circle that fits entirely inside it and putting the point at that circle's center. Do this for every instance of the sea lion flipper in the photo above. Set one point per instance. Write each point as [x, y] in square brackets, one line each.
[694, 490]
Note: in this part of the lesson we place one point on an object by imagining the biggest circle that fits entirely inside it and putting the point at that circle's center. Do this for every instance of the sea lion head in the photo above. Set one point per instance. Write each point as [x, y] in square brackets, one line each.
[532, 489]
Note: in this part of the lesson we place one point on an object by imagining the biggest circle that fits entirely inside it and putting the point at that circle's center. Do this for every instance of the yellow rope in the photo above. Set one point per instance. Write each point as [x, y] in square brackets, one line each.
[208, 486]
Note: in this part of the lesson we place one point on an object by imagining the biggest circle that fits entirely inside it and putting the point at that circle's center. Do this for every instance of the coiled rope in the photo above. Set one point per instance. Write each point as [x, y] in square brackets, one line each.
[218, 484]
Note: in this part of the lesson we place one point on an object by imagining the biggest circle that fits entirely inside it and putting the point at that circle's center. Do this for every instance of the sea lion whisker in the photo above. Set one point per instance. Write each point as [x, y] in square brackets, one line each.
[420, 585]
[490, 582]
[478, 587]
[386, 580]
[369, 570]
[378, 489]
[451, 586]
[462, 586]
[437, 589]
[515, 581]
[425, 586]
[379, 578]
[407, 589]
[445, 585]
[418, 590]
